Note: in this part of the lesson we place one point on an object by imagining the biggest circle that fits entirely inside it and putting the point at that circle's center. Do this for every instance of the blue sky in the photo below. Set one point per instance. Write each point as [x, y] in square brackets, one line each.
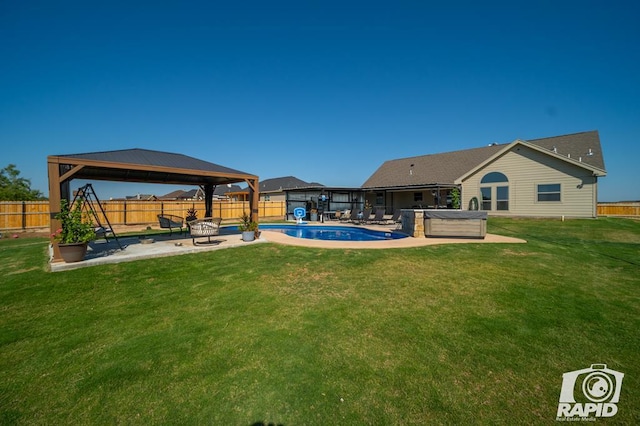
[322, 90]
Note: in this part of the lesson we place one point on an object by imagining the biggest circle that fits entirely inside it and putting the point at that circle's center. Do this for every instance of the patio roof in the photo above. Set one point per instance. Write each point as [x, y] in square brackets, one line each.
[143, 165]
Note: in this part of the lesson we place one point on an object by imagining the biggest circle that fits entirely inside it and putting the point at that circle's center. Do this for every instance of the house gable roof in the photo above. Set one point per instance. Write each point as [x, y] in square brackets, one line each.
[173, 195]
[429, 169]
[452, 167]
[283, 183]
[583, 147]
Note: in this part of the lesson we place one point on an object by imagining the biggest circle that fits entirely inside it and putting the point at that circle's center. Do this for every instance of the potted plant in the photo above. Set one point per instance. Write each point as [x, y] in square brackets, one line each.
[455, 198]
[248, 227]
[74, 235]
[192, 214]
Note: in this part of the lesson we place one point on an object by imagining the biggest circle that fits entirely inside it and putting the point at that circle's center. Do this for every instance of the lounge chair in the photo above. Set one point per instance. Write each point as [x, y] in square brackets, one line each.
[378, 218]
[396, 218]
[205, 227]
[346, 215]
[170, 221]
[354, 215]
[364, 218]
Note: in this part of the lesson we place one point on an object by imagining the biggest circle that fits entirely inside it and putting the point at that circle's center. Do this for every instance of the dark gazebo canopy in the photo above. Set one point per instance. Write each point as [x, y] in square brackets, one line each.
[142, 165]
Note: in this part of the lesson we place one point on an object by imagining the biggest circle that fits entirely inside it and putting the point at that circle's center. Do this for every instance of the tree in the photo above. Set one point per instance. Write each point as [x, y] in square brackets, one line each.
[15, 188]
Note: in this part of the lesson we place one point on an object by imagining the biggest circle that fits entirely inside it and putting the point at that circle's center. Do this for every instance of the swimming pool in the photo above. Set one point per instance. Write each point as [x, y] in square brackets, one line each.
[333, 233]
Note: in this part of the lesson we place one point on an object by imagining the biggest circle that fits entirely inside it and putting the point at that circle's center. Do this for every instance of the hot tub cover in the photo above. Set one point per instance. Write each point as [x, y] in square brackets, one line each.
[455, 214]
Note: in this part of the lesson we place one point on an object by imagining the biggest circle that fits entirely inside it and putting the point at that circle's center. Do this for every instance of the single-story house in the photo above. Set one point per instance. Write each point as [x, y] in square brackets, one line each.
[555, 176]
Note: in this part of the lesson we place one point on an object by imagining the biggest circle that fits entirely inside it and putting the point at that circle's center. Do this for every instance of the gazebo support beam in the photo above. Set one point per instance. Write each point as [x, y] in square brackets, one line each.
[208, 200]
[254, 198]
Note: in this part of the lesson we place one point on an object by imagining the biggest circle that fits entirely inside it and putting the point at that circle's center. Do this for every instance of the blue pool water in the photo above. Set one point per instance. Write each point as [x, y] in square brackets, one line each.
[334, 233]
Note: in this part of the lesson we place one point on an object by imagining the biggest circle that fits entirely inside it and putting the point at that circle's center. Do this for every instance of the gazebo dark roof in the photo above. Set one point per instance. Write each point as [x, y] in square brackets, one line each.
[143, 165]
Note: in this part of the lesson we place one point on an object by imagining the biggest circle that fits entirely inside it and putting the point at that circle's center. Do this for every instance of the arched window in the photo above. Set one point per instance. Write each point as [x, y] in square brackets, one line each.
[494, 177]
[494, 186]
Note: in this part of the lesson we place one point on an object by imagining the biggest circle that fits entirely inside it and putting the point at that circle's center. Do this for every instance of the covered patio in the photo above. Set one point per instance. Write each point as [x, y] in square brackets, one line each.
[142, 166]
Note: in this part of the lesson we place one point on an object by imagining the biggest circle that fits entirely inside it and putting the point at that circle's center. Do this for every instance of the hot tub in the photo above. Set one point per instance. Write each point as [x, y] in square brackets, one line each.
[455, 223]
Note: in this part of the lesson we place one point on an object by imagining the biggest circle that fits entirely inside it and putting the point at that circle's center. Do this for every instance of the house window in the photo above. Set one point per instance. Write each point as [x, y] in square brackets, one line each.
[549, 192]
[502, 198]
[379, 198]
[494, 186]
[486, 198]
[267, 198]
[494, 177]
[417, 197]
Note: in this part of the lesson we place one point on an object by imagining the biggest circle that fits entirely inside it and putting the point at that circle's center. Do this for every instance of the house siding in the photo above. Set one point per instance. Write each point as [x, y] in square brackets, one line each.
[273, 196]
[526, 168]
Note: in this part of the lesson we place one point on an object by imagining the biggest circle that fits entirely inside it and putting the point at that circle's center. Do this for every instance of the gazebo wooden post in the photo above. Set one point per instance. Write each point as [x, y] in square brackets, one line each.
[55, 198]
[208, 200]
[254, 198]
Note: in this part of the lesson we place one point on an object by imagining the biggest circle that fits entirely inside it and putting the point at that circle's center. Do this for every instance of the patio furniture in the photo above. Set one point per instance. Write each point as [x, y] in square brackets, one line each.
[354, 216]
[171, 222]
[378, 217]
[364, 216]
[345, 215]
[205, 227]
[396, 217]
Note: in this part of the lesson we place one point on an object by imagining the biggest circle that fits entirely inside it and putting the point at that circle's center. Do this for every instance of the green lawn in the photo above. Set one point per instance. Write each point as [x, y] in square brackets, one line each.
[269, 334]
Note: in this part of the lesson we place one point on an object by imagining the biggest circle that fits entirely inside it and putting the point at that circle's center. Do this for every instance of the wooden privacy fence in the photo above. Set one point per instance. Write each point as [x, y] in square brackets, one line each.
[35, 214]
[24, 215]
[631, 209]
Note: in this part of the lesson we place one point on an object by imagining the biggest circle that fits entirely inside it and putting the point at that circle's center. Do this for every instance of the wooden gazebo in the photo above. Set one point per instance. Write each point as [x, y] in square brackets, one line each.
[141, 165]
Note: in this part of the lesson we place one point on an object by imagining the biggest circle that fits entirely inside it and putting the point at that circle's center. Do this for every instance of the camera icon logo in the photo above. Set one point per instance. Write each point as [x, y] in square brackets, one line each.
[592, 391]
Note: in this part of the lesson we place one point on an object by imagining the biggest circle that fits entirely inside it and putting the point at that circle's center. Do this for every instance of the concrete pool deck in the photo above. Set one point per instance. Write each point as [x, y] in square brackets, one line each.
[103, 252]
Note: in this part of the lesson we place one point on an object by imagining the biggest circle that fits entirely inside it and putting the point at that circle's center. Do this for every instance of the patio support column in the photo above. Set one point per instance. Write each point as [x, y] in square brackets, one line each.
[58, 189]
[254, 197]
[208, 200]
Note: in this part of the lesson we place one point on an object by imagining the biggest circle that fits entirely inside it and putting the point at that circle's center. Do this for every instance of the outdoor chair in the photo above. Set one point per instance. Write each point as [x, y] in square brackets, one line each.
[345, 216]
[364, 217]
[397, 218]
[171, 222]
[354, 215]
[378, 218]
[205, 227]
